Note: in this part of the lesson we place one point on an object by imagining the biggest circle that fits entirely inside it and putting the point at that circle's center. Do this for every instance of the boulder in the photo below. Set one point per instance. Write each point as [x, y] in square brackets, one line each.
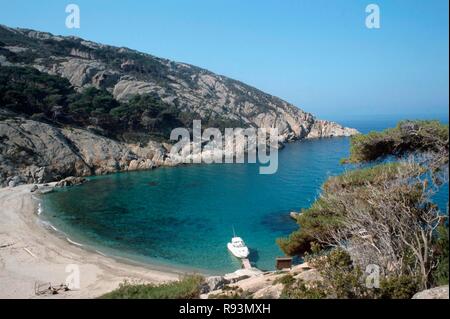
[269, 292]
[294, 215]
[213, 283]
[300, 268]
[71, 181]
[242, 274]
[309, 276]
[34, 188]
[433, 293]
[41, 175]
[15, 181]
[256, 283]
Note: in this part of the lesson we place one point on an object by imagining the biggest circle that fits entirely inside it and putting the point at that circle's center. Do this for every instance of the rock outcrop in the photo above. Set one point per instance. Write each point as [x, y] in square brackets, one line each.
[255, 283]
[322, 129]
[70, 181]
[433, 293]
[213, 283]
[36, 152]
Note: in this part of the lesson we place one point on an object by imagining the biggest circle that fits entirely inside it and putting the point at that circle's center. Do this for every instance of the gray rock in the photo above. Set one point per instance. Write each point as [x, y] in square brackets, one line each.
[433, 293]
[36, 152]
[242, 274]
[309, 276]
[294, 215]
[269, 292]
[71, 181]
[213, 283]
[321, 129]
[34, 188]
[126, 89]
[15, 181]
[41, 175]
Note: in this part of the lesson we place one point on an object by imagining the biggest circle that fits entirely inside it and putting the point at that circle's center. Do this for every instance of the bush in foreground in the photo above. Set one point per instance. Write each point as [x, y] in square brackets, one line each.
[187, 288]
[341, 279]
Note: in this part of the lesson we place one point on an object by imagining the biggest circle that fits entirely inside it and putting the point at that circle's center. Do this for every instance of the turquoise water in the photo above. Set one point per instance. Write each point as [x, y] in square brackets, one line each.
[183, 216]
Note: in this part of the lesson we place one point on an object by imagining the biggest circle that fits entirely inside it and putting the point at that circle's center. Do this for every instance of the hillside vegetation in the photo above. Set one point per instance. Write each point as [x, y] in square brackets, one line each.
[52, 99]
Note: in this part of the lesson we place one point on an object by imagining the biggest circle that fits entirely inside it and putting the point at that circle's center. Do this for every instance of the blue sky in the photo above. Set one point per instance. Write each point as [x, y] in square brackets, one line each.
[316, 54]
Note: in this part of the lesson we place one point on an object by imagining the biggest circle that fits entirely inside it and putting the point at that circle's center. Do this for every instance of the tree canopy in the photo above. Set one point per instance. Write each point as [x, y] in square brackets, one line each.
[408, 137]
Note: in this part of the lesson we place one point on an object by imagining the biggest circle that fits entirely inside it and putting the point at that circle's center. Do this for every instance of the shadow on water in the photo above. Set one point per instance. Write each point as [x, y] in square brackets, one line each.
[253, 256]
[279, 222]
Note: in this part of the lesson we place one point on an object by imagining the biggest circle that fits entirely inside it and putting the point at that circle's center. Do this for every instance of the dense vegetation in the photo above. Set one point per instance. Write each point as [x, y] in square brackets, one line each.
[187, 288]
[407, 137]
[380, 215]
[51, 99]
[143, 64]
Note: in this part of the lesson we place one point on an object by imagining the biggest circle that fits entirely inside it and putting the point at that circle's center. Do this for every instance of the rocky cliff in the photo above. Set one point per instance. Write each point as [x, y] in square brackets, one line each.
[36, 152]
[52, 149]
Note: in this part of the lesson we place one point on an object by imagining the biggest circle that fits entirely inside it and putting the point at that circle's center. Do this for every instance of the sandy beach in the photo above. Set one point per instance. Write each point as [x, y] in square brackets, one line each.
[30, 254]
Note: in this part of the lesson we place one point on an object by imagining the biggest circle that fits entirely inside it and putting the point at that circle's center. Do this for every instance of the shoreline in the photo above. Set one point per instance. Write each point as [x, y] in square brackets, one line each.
[125, 259]
[30, 253]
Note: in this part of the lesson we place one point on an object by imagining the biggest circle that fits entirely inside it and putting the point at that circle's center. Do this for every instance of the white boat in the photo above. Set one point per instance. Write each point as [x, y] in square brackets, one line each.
[237, 247]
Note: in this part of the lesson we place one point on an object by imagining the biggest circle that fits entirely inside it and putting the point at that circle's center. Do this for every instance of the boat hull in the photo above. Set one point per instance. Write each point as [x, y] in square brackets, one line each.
[238, 252]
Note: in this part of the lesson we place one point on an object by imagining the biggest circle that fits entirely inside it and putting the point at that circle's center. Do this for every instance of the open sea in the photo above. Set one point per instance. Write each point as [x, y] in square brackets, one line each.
[183, 217]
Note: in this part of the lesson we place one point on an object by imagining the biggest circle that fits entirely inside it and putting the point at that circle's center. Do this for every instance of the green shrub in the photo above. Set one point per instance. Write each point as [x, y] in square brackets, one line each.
[302, 290]
[286, 280]
[400, 287]
[440, 274]
[343, 279]
[407, 137]
[187, 288]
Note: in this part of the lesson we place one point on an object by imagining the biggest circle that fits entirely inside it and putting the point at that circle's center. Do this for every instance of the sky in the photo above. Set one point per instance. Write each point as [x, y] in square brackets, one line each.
[316, 54]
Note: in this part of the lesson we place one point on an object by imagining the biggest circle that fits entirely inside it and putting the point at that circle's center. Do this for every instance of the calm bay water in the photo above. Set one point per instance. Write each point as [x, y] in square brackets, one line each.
[183, 217]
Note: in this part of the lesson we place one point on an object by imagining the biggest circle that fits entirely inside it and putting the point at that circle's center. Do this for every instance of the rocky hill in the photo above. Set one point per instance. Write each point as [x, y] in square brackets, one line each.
[59, 94]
